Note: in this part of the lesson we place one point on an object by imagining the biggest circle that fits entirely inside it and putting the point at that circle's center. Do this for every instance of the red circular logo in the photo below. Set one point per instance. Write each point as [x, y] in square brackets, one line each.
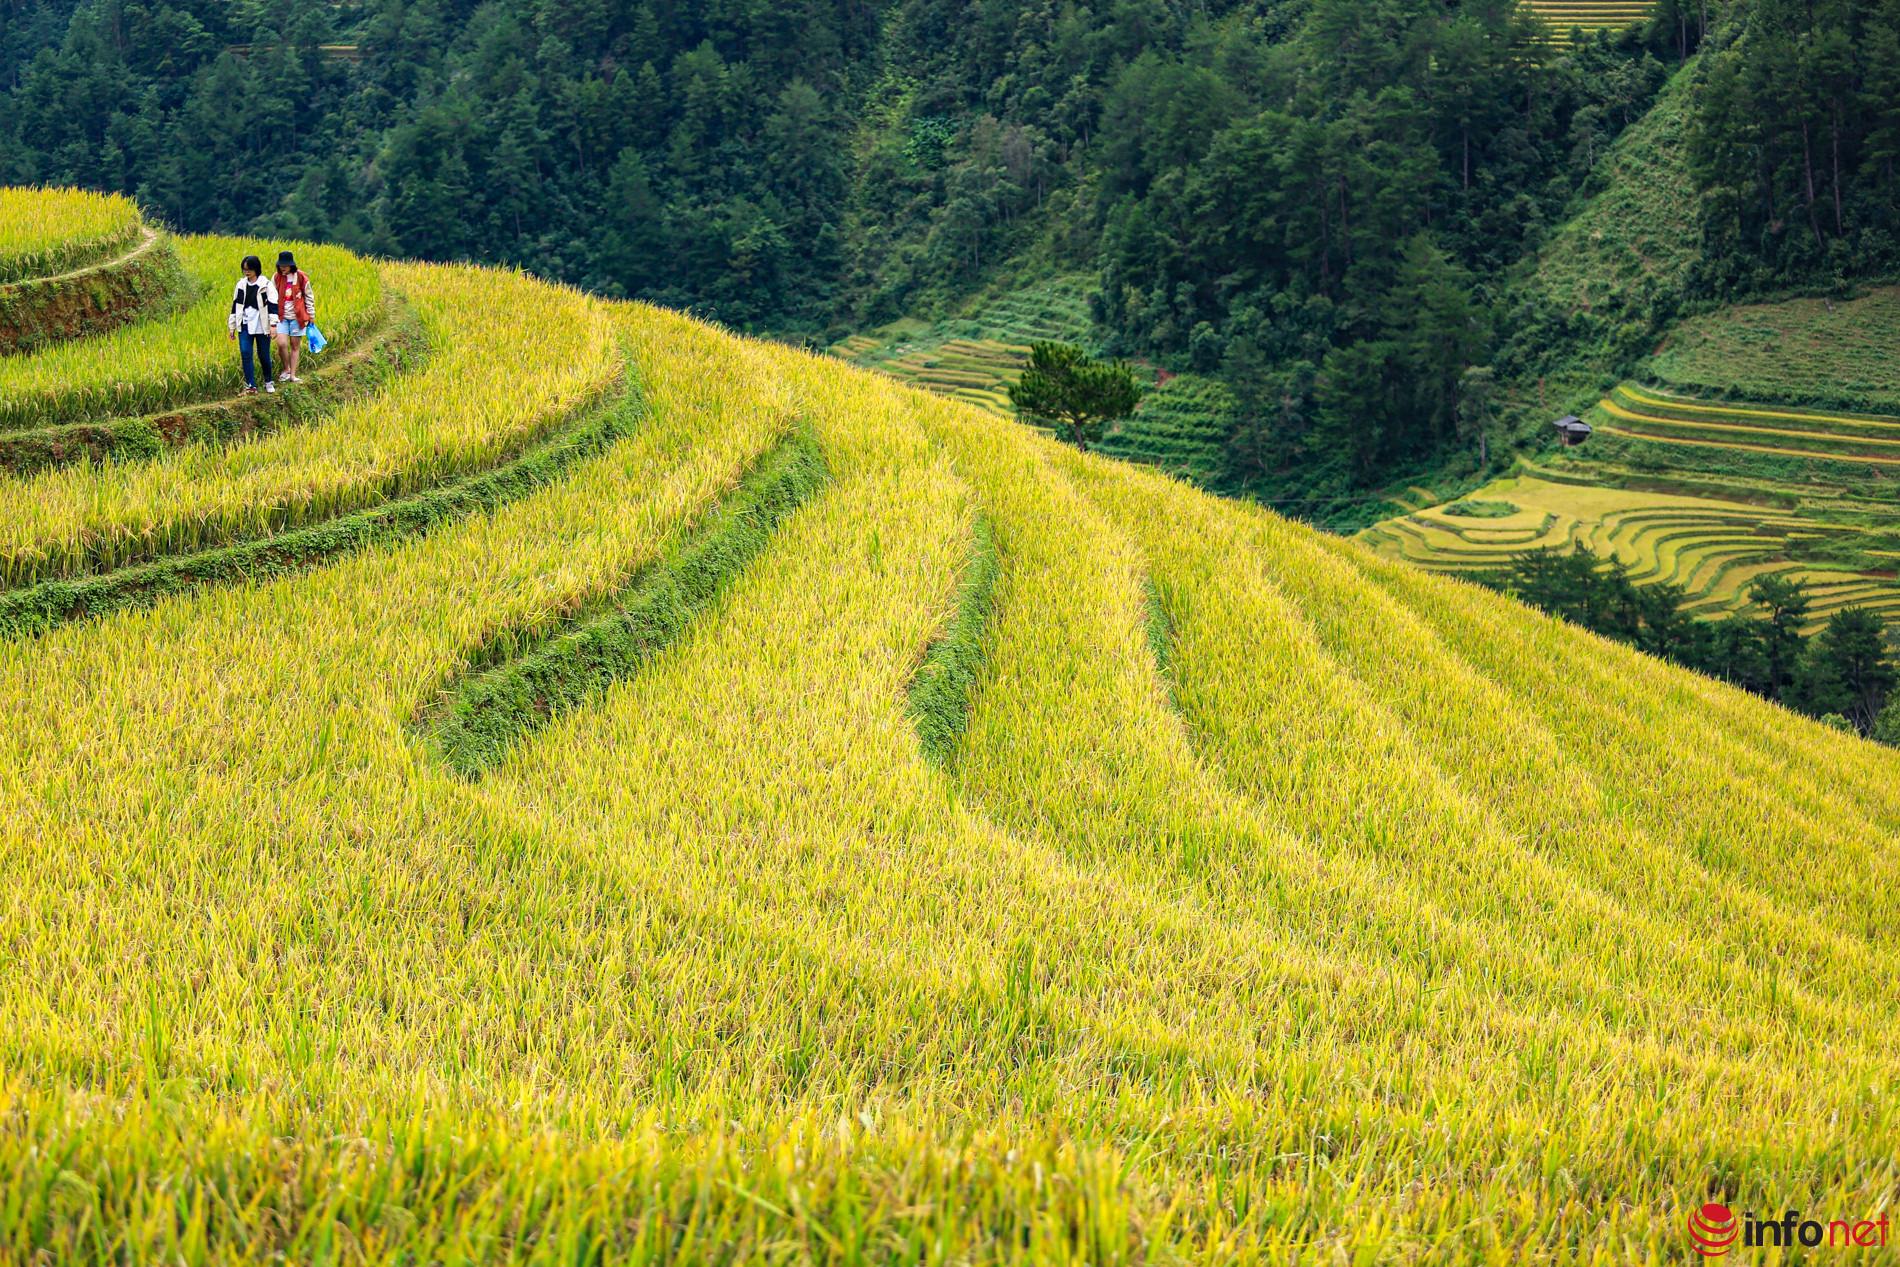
[1713, 1229]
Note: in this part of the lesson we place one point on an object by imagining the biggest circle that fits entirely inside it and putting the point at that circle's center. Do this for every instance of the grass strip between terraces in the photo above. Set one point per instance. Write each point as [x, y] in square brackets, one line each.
[479, 718]
[38, 608]
[147, 280]
[940, 691]
[1161, 634]
[399, 344]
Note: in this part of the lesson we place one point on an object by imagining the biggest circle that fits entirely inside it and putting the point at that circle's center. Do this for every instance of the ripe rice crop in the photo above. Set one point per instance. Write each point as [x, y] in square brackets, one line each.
[48, 231]
[514, 357]
[1561, 17]
[180, 356]
[1635, 413]
[1273, 902]
[1714, 546]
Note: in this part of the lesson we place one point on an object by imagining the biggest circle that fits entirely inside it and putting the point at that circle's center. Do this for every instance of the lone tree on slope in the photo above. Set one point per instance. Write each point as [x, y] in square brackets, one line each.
[1076, 397]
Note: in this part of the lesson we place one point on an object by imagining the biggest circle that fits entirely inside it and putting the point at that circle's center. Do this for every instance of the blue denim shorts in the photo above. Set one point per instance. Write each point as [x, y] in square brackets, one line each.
[291, 328]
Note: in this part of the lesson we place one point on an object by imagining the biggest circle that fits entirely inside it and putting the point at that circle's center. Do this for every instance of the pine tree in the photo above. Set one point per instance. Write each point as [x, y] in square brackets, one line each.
[1062, 389]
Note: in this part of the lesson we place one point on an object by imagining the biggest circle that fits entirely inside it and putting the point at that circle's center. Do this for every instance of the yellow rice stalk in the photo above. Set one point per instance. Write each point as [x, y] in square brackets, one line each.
[46, 231]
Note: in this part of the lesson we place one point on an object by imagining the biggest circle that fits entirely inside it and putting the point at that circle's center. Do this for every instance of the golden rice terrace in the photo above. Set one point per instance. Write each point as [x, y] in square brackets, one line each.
[578, 786]
[1563, 17]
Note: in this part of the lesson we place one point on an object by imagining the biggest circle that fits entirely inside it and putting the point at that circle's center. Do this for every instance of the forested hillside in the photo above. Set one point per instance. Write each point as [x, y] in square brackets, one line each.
[1329, 204]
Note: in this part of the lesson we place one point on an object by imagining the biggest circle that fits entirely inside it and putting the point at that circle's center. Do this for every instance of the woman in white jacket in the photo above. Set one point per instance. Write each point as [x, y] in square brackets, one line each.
[252, 321]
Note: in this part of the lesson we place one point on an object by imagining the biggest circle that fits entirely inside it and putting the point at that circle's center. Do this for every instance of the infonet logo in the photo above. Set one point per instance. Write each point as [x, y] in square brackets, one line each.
[1715, 1230]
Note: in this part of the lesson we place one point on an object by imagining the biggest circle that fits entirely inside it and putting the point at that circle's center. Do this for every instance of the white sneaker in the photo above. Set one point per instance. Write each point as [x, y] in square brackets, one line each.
[271, 388]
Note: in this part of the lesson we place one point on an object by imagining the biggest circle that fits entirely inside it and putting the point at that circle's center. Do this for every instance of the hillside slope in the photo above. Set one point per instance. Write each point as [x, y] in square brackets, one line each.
[1731, 454]
[492, 822]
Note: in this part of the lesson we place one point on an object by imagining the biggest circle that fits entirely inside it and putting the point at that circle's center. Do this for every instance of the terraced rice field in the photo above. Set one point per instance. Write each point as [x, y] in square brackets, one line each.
[1633, 412]
[978, 357]
[1181, 426]
[429, 427]
[1713, 547]
[979, 372]
[740, 808]
[1566, 16]
[1706, 494]
[183, 356]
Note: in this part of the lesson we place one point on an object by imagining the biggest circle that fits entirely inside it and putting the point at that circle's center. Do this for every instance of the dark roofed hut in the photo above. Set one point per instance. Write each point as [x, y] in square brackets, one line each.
[1573, 429]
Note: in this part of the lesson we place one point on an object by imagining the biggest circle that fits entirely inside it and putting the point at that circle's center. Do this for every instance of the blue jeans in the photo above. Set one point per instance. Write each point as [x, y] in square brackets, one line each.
[263, 350]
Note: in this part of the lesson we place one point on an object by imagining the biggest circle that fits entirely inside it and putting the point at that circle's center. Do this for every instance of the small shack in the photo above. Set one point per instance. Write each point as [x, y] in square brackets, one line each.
[1573, 429]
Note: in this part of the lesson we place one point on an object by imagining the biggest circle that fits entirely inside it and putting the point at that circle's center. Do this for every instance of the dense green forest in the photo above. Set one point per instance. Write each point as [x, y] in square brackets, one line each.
[1324, 202]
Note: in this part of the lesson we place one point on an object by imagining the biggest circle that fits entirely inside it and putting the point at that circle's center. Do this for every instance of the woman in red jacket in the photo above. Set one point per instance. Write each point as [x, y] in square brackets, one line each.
[296, 312]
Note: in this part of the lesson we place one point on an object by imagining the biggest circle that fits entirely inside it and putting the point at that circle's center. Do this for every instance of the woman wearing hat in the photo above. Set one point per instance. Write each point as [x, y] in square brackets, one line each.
[296, 312]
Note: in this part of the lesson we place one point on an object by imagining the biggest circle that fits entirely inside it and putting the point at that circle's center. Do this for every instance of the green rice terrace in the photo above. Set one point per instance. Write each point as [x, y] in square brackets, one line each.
[1181, 425]
[1704, 473]
[976, 358]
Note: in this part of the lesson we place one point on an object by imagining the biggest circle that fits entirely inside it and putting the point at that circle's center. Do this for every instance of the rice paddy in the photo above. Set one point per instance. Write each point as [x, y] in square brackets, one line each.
[1714, 547]
[517, 362]
[975, 358]
[1181, 425]
[998, 853]
[1563, 17]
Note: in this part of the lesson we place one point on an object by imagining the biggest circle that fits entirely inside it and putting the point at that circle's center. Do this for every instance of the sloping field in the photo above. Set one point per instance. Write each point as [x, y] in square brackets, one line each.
[782, 815]
[1591, 300]
[1840, 354]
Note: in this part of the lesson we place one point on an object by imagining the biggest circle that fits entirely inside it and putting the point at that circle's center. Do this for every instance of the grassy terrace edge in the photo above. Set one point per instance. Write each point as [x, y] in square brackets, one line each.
[71, 255]
[394, 343]
[125, 288]
[520, 680]
[39, 608]
[941, 689]
[1158, 622]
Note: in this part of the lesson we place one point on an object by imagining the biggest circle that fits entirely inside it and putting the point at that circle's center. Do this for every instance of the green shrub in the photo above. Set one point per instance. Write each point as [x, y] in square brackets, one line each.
[1475, 508]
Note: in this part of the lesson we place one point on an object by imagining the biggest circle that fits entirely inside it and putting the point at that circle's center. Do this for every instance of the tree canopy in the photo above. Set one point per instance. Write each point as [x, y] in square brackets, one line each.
[1063, 389]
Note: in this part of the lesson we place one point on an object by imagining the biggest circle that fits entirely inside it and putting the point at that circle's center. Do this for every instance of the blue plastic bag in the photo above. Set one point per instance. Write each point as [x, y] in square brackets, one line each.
[314, 340]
